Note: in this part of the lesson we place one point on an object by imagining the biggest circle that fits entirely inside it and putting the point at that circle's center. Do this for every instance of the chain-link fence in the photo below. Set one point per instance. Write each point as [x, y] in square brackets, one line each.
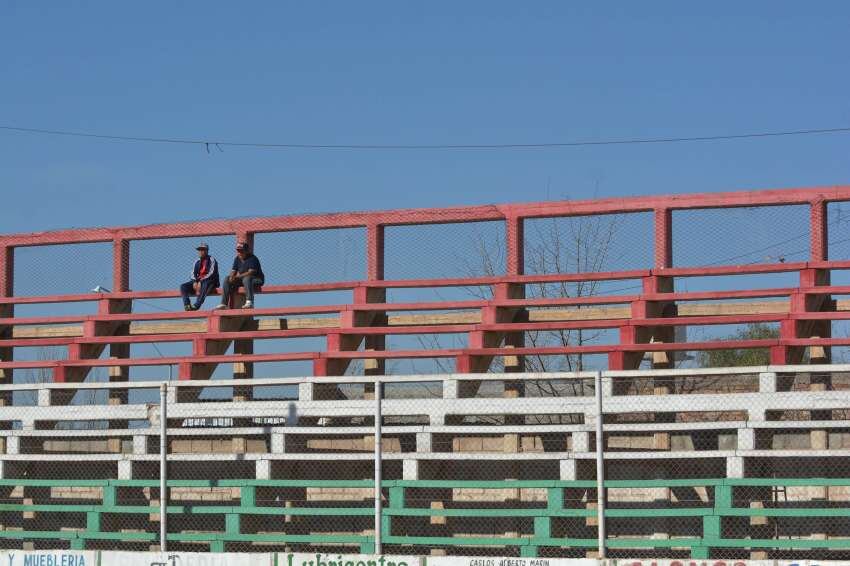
[726, 464]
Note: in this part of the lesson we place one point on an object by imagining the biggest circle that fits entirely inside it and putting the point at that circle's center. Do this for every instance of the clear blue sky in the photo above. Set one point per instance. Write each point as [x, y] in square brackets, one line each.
[404, 72]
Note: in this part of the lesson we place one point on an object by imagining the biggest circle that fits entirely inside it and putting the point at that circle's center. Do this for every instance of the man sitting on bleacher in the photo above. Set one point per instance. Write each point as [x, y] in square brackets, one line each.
[204, 278]
[246, 272]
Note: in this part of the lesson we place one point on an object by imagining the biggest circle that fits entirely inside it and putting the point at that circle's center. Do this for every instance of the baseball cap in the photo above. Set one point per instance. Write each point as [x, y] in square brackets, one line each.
[202, 246]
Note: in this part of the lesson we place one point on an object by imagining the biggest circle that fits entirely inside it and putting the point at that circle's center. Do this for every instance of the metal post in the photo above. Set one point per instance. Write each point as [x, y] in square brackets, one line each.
[163, 467]
[600, 468]
[379, 390]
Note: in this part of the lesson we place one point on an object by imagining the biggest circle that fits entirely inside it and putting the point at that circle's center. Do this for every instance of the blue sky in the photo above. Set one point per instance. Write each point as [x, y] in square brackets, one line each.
[403, 72]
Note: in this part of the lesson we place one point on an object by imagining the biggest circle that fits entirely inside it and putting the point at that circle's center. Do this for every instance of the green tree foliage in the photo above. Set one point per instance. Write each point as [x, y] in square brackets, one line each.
[738, 358]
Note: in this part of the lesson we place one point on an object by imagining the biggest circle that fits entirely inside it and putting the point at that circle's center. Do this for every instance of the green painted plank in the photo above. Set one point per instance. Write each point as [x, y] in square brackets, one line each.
[396, 497]
[789, 482]
[555, 498]
[92, 521]
[144, 509]
[282, 511]
[711, 526]
[247, 496]
[110, 496]
[722, 497]
[452, 541]
[528, 551]
[232, 524]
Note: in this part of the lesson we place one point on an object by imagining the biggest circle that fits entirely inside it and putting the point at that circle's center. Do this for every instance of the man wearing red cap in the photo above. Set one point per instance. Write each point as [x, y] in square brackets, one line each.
[246, 272]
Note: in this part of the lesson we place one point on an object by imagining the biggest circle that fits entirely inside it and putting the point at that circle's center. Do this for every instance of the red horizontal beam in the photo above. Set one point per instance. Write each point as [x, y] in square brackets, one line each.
[567, 301]
[517, 279]
[412, 354]
[707, 320]
[431, 216]
[706, 271]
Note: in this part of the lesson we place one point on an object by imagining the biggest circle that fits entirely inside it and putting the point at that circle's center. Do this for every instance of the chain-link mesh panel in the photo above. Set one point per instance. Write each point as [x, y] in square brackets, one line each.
[63, 270]
[436, 251]
[736, 236]
[589, 244]
[313, 256]
[838, 222]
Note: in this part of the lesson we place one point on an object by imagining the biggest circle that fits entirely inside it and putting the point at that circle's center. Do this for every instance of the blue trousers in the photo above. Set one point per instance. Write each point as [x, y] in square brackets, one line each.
[187, 289]
[249, 282]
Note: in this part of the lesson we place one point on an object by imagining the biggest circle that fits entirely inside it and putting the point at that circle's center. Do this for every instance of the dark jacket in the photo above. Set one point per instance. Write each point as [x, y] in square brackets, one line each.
[250, 262]
[212, 271]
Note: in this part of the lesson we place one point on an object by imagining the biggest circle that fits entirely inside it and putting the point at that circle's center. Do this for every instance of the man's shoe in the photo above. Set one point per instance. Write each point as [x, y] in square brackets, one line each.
[220, 307]
[187, 307]
[248, 305]
[196, 307]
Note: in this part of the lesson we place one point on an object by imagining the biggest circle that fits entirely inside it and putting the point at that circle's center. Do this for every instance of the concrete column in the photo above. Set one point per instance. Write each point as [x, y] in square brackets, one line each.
[13, 445]
[757, 413]
[278, 443]
[438, 419]
[171, 395]
[263, 469]
[581, 441]
[746, 439]
[423, 442]
[410, 470]
[44, 397]
[450, 389]
[607, 386]
[2, 469]
[767, 382]
[305, 391]
[734, 467]
[125, 469]
[568, 469]
[140, 444]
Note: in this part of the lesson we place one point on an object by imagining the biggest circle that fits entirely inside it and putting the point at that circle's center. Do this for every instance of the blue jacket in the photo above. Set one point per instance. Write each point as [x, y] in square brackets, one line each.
[211, 274]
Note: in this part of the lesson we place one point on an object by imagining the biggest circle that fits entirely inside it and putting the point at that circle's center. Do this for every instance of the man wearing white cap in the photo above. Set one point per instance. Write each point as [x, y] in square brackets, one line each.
[204, 278]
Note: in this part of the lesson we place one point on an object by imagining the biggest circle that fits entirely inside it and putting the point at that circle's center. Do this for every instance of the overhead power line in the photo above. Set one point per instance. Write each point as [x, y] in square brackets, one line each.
[219, 144]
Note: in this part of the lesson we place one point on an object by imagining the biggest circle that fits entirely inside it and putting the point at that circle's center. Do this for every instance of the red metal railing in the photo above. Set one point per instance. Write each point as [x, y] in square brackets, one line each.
[362, 325]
